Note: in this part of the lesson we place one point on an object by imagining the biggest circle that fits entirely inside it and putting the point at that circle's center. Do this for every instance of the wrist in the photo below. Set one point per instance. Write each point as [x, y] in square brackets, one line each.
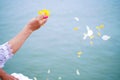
[27, 29]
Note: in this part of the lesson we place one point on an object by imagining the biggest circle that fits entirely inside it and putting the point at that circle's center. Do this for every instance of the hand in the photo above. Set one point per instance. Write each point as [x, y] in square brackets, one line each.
[9, 77]
[36, 23]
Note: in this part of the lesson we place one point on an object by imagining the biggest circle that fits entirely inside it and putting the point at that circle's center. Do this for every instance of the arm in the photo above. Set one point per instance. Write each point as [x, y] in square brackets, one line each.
[19, 39]
[2, 72]
[33, 25]
[5, 76]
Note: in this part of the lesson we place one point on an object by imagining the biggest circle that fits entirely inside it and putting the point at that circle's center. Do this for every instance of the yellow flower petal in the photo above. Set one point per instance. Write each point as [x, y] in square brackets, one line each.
[99, 34]
[101, 26]
[91, 42]
[97, 27]
[45, 12]
[91, 37]
[76, 28]
[79, 53]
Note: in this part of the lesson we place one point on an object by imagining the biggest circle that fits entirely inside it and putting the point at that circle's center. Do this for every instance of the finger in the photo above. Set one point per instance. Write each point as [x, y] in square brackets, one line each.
[41, 22]
[45, 17]
[40, 17]
[33, 19]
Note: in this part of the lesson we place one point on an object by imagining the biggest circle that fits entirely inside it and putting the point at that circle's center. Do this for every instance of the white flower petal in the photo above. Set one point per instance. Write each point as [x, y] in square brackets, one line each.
[105, 37]
[35, 78]
[59, 78]
[49, 71]
[89, 31]
[76, 18]
[77, 72]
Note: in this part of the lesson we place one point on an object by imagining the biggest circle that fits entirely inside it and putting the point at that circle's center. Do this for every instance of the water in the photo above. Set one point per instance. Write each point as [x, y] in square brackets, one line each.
[55, 45]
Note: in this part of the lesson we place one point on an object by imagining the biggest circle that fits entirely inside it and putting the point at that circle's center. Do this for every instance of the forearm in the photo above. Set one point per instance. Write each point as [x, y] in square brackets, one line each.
[18, 40]
[33, 25]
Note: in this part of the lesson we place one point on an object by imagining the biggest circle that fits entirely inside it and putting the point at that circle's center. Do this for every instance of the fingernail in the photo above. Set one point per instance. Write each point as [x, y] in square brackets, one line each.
[45, 17]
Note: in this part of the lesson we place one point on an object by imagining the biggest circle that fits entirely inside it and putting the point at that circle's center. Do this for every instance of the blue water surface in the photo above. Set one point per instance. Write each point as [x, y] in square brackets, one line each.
[56, 44]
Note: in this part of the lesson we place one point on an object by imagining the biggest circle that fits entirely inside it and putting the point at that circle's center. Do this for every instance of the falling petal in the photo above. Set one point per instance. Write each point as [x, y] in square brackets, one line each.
[91, 37]
[59, 78]
[101, 26]
[87, 27]
[91, 42]
[49, 71]
[77, 72]
[97, 27]
[35, 78]
[89, 31]
[76, 28]
[76, 18]
[79, 53]
[99, 34]
[85, 36]
[105, 37]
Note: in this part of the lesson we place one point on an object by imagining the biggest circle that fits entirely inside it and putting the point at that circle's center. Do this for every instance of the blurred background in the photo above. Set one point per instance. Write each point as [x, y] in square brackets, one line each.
[54, 47]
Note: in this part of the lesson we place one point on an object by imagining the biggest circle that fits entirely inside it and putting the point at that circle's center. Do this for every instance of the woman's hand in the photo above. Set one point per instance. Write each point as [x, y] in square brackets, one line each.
[36, 23]
[33, 25]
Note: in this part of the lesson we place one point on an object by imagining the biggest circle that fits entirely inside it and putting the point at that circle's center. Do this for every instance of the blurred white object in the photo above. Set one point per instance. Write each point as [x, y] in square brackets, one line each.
[76, 18]
[79, 53]
[35, 78]
[105, 37]
[89, 33]
[20, 76]
[59, 77]
[77, 72]
[49, 71]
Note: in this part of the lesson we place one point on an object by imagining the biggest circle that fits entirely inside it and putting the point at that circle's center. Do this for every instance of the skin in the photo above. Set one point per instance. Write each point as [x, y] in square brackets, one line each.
[20, 38]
